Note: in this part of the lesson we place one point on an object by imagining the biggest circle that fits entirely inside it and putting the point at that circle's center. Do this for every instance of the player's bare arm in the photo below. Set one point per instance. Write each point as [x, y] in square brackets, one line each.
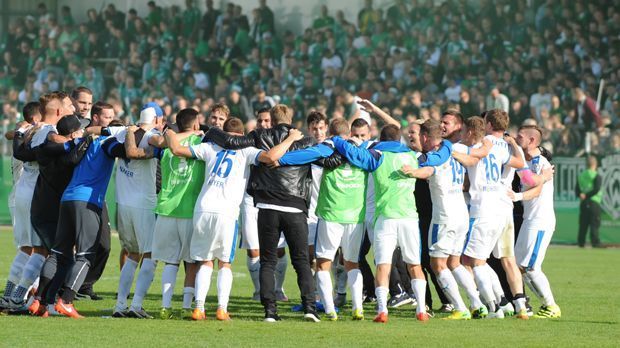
[526, 195]
[482, 151]
[418, 173]
[174, 146]
[371, 108]
[132, 150]
[279, 150]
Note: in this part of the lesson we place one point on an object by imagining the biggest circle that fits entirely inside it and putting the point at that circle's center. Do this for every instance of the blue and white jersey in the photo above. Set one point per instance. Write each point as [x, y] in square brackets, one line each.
[446, 188]
[226, 177]
[486, 187]
[540, 207]
[91, 176]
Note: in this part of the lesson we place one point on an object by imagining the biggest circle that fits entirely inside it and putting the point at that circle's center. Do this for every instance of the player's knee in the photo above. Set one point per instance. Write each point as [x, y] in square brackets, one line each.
[323, 264]
[26, 249]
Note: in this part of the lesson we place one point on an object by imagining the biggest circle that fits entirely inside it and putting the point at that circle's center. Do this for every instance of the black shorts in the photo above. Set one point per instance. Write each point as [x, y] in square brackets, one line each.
[45, 229]
[79, 225]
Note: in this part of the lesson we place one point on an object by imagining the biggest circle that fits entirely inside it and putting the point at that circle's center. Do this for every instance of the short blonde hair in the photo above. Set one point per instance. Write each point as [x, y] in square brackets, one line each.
[281, 113]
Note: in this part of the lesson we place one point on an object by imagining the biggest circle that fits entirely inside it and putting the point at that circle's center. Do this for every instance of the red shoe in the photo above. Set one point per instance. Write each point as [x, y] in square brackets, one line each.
[41, 311]
[381, 318]
[422, 316]
[67, 310]
[34, 306]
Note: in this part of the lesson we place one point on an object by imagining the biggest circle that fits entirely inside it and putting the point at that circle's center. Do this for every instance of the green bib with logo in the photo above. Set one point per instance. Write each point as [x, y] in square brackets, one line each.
[394, 197]
[342, 196]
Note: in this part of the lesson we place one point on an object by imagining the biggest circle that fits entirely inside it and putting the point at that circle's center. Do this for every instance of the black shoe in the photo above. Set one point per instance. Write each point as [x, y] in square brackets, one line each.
[446, 308]
[311, 315]
[272, 317]
[370, 299]
[528, 307]
[120, 314]
[88, 294]
[399, 300]
[138, 314]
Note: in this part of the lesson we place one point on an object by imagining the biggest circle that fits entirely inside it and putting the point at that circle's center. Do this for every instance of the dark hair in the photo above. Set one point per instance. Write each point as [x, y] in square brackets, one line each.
[186, 118]
[30, 110]
[455, 113]
[359, 123]
[99, 106]
[390, 132]
[234, 125]
[315, 116]
[262, 110]
[81, 89]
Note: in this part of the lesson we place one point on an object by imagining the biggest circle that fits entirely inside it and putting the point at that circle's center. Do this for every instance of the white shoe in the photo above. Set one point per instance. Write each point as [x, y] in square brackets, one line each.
[499, 314]
[508, 309]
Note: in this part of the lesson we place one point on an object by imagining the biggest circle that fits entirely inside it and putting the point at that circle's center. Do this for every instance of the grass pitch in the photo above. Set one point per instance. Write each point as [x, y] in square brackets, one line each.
[585, 282]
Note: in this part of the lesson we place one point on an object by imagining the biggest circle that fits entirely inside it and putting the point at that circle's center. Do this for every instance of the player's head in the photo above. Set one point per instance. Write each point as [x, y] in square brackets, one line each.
[390, 132]
[281, 114]
[317, 125]
[233, 126]
[529, 137]
[150, 114]
[413, 134]
[263, 119]
[496, 120]
[32, 112]
[360, 130]
[340, 127]
[187, 120]
[591, 162]
[430, 135]
[219, 113]
[473, 130]
[451, 124]
[102, 114]
[83, 97]
[54, 106]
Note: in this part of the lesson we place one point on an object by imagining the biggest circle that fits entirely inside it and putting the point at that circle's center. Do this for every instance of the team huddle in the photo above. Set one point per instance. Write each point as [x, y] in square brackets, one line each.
[189, 194]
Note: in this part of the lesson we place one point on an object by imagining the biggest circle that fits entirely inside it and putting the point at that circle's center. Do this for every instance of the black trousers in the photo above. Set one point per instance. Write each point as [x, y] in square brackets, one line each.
[589, 217]
[295, 229]
[399, 275]
[79, 227]
[102, 254]
[367, 276]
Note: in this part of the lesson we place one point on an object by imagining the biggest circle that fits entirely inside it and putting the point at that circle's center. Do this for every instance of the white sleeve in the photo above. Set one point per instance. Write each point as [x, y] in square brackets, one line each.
[251, 156]
[202, 151]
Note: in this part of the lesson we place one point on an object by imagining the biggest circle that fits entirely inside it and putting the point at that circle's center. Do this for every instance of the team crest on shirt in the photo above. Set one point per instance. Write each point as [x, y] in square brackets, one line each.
[610, 171]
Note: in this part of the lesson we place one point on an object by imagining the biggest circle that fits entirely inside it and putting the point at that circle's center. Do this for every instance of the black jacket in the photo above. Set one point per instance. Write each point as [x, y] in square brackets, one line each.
[288, 186]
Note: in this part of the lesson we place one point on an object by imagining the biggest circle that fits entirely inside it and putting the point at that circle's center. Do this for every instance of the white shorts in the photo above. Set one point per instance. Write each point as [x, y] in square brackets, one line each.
[172, 239]
[332, 235]
[135, 228]
[447, 239]
[389, 233]
[505, 246]
[23, 233]
[214, 237]
[312, 228]
[482, 237]
[532, 243]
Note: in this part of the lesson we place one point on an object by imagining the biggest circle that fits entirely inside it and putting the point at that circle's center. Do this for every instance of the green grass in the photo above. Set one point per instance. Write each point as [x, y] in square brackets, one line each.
[586, 284]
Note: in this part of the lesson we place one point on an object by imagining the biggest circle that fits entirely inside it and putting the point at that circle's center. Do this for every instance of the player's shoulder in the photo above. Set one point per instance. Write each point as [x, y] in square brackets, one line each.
[460, 147]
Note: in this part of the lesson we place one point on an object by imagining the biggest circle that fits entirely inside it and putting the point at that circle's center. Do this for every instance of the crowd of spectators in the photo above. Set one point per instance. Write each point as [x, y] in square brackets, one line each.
[543, 60]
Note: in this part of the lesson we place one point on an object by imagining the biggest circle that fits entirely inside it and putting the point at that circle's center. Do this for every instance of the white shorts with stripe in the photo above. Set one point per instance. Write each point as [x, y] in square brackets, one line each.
[214, 237]
[482, 237]
[447, 239]
[532, 243]
[390, 233]
[332, 235]
[136, 227]
[172, 239]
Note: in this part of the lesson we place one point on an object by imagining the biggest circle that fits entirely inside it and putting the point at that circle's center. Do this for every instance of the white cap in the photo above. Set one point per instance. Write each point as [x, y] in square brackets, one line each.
[147, 116]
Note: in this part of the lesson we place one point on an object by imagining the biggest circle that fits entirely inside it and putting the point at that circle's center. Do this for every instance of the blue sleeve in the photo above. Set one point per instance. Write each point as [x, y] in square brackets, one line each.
[113, 148]
[368, 160]
[307, 155]
[439, 157]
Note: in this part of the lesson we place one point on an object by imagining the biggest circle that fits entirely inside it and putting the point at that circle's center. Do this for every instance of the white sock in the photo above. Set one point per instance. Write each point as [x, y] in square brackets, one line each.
[35, 285]
[341, 279]
[467, 283]
[281, 272]
[168, 279]
[483, 280]
[324, 284]
[451, 289]
[419, 289]
[356, 284]
[497, 286]
[15, 272]
[539, 283]
[254, 269]
[188, 296]
[124, 284]
[31, 270]
[382, 293]
[143, 283]
[203, 281]
[224, 284]
[519, 303]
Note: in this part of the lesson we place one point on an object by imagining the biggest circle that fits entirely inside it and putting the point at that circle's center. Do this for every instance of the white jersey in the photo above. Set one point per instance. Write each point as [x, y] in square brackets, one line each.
[135, 179]
[317, 174]
[227, 174]
[508, 175]
[486, 187]
[446, 187]
[540, 207]
[370, 191]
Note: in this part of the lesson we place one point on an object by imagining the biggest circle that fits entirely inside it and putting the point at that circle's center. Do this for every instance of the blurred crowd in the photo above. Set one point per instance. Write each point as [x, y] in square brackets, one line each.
[541, 60]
